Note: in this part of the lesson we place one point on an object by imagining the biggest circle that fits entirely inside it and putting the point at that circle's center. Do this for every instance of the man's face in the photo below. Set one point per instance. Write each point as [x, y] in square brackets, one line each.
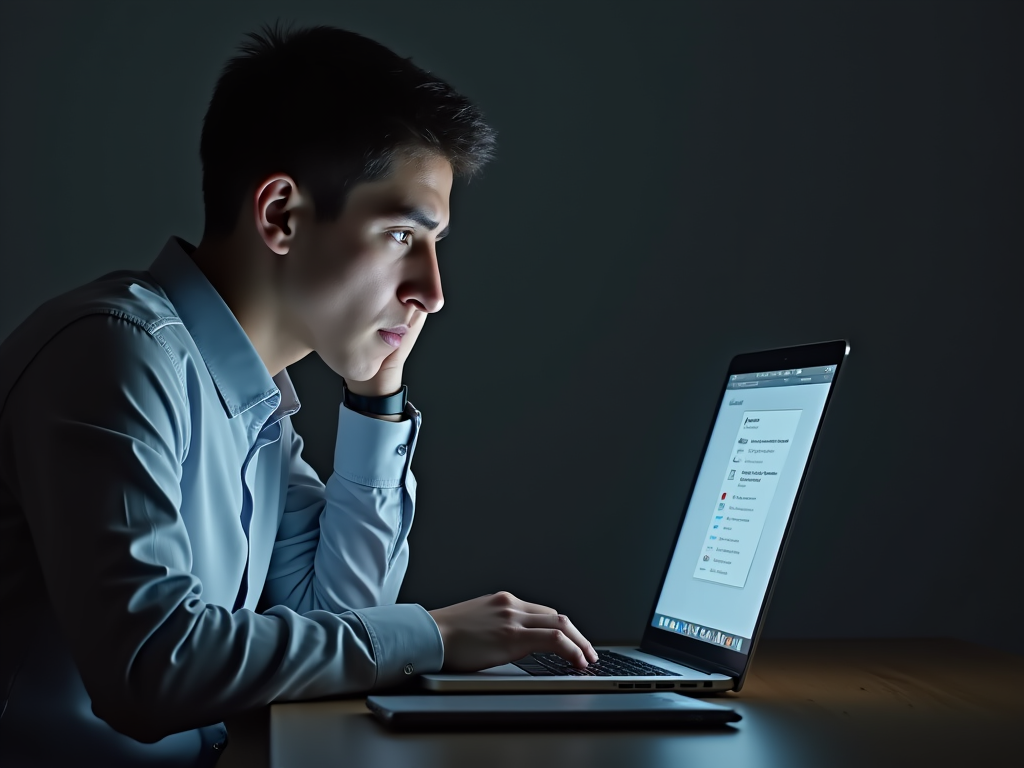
[348, 282]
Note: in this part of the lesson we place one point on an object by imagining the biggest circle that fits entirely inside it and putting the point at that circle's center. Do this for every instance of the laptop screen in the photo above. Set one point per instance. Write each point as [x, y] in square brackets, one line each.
[745, 491]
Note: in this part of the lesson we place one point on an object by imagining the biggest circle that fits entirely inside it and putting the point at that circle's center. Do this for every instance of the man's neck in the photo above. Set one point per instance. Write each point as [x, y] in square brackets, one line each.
[243, 278]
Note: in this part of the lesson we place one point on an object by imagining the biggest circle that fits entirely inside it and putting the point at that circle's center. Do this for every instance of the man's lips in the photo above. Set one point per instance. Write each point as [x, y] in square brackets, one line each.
[393, 336]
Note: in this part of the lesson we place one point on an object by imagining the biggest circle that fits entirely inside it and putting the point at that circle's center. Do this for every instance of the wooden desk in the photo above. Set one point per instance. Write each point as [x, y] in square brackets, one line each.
[821, 703]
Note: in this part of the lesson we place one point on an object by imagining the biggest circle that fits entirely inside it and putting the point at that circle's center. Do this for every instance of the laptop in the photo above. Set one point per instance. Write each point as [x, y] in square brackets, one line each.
[710, 607]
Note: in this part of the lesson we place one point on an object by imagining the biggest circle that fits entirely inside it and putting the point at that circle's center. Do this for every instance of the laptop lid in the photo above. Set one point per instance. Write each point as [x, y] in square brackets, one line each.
[715, 590]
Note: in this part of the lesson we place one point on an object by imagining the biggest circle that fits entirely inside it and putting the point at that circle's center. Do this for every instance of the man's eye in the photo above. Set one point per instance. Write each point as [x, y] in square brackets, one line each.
[401, 236]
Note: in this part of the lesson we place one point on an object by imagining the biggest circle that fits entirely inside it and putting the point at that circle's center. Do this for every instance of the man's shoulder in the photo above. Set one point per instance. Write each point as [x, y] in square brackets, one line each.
[131, 296]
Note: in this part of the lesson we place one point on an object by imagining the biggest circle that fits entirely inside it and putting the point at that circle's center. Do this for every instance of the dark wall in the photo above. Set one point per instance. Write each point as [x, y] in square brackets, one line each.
[677, 182]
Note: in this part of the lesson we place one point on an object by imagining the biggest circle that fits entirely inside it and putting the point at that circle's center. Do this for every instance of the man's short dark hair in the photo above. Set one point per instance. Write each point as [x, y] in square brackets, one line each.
[330, 108]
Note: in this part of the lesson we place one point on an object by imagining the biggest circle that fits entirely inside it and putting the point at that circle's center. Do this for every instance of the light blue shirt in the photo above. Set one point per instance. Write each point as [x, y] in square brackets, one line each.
[167, 558]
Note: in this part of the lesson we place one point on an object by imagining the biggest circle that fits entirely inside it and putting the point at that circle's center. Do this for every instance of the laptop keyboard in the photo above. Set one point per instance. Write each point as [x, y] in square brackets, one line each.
[608, 664]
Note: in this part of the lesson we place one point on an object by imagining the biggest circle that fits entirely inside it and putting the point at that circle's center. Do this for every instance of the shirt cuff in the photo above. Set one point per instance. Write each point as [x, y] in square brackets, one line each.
[405, 639]
[374, 452]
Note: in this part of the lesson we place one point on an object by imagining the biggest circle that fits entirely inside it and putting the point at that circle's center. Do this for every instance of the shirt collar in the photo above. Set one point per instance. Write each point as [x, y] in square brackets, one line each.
[241, 378]
[289, 402]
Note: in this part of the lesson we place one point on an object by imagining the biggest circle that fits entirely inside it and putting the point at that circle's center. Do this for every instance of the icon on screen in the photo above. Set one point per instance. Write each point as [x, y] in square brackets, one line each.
[721, 505]
[724, 495]
[718, 517]
[735, 459]
[714, 526]
[712, 537]
[706, 558]
[732, 474]
[743, 441]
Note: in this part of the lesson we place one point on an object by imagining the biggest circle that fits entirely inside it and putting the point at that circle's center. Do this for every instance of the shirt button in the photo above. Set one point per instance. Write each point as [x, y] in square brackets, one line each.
[400, 450]
[409, 669]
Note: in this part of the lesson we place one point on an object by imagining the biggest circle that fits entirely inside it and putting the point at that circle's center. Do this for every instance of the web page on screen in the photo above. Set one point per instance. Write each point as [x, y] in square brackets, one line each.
[742, 501]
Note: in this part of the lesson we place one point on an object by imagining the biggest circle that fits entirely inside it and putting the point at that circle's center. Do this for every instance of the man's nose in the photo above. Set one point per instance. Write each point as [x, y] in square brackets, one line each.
[423, 286]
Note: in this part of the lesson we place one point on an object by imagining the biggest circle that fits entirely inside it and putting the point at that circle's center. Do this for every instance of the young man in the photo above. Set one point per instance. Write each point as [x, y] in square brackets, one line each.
[166, 556]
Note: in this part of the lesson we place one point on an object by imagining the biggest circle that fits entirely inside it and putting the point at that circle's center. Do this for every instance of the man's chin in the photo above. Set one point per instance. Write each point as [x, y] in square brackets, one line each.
[352, 371]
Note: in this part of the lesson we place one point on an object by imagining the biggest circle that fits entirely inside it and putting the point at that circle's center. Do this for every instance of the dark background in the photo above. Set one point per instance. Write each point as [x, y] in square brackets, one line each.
[676, 183]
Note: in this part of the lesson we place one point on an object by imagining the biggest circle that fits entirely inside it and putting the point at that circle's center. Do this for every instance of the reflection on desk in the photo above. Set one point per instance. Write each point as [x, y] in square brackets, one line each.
[820, 703]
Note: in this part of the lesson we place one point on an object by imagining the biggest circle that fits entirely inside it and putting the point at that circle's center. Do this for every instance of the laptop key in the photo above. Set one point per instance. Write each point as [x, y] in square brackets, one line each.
[608, 665]
[532, 667]
[634, 666]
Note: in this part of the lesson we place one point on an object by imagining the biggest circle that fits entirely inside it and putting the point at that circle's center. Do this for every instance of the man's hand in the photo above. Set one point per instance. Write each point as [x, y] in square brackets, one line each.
[389, 378]
[499, 628]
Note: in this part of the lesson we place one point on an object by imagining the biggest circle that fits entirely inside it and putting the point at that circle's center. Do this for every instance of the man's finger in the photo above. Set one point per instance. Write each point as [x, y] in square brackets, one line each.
[534, 608]
[562, 624]
[551, 640]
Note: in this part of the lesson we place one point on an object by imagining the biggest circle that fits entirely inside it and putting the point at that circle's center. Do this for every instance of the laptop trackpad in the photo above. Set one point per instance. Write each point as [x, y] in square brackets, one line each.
[503, 670]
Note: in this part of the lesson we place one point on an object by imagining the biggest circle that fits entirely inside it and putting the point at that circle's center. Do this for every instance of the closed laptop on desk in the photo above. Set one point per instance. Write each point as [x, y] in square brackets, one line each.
[651, 710]
[711, 604]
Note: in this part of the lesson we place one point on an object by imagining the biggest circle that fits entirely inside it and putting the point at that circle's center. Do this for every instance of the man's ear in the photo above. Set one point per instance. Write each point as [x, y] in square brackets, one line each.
[275, 198]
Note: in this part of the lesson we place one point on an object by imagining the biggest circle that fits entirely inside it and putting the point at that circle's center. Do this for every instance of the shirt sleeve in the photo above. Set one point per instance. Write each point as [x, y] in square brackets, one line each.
[345, 546]
[101, 418]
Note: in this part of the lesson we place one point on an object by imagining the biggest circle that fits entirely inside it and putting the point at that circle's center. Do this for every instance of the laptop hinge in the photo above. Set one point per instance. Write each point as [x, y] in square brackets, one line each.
[686, 659]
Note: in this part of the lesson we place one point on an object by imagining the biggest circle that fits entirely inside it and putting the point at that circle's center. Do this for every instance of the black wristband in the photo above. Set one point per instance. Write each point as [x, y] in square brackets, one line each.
[386, 405]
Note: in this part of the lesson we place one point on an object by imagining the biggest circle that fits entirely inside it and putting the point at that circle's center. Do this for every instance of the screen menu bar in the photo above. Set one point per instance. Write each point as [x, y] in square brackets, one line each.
[787, 377]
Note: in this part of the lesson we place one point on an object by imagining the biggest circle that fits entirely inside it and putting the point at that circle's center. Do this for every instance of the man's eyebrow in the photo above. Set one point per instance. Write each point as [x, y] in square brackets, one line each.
[419, 216]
